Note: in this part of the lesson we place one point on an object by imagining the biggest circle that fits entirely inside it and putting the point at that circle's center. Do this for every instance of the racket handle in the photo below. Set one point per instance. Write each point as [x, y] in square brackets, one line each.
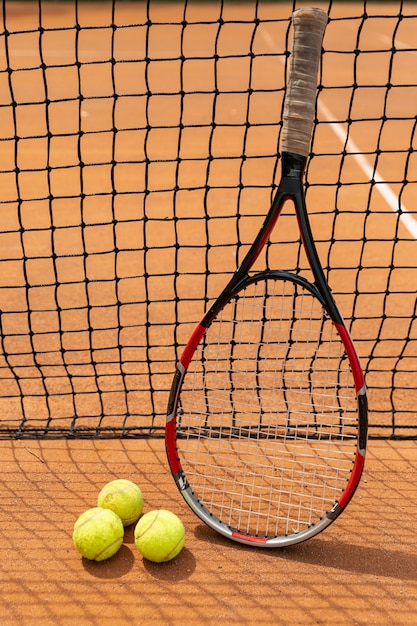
[299, 106]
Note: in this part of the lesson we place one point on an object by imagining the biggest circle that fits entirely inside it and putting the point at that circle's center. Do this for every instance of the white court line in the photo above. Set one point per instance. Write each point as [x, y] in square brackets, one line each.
[398, 44]
[381, 186]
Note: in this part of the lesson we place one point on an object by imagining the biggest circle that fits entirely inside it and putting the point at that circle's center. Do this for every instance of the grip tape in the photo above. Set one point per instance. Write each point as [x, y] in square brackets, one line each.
[299, 106]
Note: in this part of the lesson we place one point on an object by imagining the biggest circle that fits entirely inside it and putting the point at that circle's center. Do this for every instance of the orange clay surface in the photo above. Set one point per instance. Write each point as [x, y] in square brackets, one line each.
[361, 570]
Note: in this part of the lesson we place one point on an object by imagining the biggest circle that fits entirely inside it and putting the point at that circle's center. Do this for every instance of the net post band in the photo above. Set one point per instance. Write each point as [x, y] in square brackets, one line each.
[299, 107]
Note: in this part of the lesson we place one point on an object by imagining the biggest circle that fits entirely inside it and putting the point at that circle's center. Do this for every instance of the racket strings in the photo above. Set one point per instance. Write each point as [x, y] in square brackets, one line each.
[267, 422]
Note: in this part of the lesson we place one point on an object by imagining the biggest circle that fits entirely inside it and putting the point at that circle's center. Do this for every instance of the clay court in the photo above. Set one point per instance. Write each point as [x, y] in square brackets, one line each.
[138, 154]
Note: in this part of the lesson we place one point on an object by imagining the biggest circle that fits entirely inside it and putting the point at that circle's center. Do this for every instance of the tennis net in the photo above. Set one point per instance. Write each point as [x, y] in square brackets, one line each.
[139, 152]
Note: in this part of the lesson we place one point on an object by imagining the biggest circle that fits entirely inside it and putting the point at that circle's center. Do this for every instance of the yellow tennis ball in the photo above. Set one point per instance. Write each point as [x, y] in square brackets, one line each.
[98, 534]
[123, 498]
[159, 535]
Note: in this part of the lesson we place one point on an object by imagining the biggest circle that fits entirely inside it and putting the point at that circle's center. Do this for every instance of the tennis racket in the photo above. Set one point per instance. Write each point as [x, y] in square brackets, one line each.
[267, 417]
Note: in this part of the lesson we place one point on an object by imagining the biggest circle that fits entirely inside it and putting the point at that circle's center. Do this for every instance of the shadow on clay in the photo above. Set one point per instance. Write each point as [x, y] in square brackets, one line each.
[351, 557]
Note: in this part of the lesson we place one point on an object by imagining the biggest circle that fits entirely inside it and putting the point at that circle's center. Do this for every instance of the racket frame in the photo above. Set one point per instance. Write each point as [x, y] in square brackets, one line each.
[298, 119]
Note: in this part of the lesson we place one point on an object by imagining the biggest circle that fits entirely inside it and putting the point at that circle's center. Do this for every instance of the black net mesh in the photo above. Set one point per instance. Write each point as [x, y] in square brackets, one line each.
[139, 152]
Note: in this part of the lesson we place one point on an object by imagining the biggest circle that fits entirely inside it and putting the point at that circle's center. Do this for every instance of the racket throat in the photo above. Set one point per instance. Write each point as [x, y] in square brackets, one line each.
[293, 166]
[290, 188]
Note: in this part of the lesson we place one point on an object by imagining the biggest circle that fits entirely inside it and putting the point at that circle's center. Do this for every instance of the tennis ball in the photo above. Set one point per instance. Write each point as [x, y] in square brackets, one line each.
[123, 498]
[98, 534]
[159, 535]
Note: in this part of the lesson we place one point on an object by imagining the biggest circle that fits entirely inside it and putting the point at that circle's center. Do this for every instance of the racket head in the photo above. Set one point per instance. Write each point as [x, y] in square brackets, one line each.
[266, 427]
